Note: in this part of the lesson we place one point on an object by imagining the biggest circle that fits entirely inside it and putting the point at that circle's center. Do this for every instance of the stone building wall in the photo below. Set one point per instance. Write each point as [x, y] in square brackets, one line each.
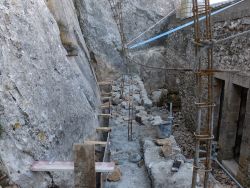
[177, 51]
[231, 55]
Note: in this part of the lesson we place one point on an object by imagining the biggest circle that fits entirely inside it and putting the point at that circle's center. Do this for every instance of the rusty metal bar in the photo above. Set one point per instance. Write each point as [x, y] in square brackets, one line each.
[203, 39]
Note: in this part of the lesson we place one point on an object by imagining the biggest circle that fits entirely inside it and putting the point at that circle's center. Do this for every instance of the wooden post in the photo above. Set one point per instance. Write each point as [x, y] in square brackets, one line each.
[84, 166]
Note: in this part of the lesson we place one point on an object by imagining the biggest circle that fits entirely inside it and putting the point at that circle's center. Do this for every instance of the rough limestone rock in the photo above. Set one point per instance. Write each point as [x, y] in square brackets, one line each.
[101, 32]
[156, 95]
[162, 142]
[147, 103]
[167, 150]
[160, 168]
[160, 57]
[48, 97]
[116, 175]
[141, 117]
[162, 175]
[156, 120]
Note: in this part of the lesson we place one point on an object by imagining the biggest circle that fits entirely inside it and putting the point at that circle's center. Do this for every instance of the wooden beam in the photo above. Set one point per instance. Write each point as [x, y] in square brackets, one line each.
[106, 98]
[105, 167]
[103, 129]
[104, 83]
[84, 166]
[105, 106]
[105, 115]
[46, 166]
[110, 94]
[100, 143]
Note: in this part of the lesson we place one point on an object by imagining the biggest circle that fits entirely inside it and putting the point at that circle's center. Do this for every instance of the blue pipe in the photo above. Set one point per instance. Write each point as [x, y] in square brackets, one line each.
[180, 27]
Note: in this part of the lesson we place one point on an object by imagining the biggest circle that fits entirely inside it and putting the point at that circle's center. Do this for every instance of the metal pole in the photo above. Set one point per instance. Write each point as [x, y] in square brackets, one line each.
[228, 173]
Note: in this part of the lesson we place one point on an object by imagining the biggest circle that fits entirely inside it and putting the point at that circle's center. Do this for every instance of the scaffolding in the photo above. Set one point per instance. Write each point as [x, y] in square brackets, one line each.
[204, 77]
[116, 7]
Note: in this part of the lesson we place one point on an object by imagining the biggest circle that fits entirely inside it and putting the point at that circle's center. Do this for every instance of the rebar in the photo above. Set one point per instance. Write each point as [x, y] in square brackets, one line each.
[116, 7]
[204, 79]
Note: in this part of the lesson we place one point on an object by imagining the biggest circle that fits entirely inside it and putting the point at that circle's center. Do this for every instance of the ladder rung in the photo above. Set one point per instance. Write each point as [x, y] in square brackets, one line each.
[104, 83]
[105, 106]
[105, 115]
[203, 137]
[101, 143]
[203, 151]
[103, 129]
[106, 94]
[106, 98]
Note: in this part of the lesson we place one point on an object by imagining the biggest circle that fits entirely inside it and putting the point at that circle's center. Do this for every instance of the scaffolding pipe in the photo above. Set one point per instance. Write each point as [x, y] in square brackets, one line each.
[228, 173]
[144, 32]
[180, 27]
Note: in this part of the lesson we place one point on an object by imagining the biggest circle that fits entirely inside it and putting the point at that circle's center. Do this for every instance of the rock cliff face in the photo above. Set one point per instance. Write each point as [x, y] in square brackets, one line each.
[48, 94]
[49, 98]
[101, 32]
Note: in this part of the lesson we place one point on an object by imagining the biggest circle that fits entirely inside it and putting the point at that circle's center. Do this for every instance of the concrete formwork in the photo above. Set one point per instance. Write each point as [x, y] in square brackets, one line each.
[230, 118]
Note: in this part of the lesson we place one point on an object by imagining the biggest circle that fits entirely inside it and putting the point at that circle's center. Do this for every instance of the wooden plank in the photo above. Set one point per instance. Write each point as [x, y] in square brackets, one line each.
[84, 166]
[104, 83]
[105, 94]
[106, 100]
[105, 167]
[46, 166]
[103, 129]
[105, 115]
[106, 105]
[101, 143]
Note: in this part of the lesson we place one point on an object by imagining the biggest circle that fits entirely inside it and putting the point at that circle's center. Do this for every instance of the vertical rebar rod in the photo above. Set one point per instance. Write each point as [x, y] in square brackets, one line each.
[203, 39]
[116, 7]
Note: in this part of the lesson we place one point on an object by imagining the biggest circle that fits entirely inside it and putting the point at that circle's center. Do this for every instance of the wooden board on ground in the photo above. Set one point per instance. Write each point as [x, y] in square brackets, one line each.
[46, 166]
[103, 129]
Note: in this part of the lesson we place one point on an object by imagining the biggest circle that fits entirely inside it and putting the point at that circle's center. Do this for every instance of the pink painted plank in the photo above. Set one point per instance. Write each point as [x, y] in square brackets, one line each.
[54, 166]
[104, 167]
[42, 166]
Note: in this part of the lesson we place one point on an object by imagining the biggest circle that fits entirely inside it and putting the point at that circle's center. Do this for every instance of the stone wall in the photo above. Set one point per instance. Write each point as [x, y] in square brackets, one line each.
[48, 93]
[177, 52]
[232, 54]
